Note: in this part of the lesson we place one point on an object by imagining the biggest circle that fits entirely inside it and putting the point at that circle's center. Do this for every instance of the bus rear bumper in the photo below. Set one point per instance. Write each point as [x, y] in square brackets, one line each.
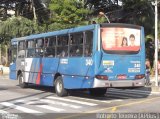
[118, 83]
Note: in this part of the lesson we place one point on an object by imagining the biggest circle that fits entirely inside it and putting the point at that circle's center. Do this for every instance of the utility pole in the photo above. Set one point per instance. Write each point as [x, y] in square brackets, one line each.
[103, 14]
[156, 43]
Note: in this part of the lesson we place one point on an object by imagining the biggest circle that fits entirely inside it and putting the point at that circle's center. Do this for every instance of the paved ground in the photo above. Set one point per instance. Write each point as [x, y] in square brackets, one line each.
[37, 102]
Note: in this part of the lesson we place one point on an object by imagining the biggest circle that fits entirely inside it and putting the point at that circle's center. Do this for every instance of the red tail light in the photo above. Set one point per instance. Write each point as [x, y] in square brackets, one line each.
[101, 77]
[140, 76]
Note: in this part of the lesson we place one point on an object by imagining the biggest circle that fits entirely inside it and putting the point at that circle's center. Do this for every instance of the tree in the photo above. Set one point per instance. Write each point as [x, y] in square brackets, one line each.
[68, 13]
[102, 5]
[139, 12]
[18, 27]
[24, 8]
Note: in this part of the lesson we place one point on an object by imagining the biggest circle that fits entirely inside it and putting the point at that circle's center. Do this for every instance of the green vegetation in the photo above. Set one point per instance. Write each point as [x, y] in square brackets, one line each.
[70, 12]
[60, 14]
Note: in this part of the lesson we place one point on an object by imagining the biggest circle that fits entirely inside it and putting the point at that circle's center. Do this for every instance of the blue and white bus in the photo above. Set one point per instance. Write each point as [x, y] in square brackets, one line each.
[93, 57]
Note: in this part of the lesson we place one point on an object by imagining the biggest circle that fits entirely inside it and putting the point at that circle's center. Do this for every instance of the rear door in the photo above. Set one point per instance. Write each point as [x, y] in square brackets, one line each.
[20, 62]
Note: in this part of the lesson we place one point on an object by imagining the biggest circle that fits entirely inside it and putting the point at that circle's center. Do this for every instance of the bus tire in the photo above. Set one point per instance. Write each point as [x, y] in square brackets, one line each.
[59, 87]
[97, 91]
[22, 84]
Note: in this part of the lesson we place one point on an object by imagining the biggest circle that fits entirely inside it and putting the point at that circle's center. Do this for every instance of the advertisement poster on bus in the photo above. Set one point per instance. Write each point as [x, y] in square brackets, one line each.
[120, 39]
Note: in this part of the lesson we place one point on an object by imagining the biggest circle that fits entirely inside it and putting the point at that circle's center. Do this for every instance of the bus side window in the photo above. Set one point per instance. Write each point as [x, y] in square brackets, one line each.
[88, 43]
[21, 49]
[62, 46]
[30, 51]
[50, 47]
[76, 44]
[39, 47]
[13, 53]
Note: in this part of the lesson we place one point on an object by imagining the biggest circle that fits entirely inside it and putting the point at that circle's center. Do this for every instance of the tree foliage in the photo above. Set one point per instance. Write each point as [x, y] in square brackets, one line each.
[68, 12]
[59, 14]
[18, 27]
[9, 8]
[140, 12]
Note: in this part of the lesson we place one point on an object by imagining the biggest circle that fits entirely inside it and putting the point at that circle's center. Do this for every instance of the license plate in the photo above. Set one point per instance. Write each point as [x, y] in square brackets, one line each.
[121, 76]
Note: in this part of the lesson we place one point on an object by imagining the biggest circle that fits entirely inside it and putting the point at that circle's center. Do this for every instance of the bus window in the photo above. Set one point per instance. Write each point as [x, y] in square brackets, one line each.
[30, 48]
[76, 44]
[50, 48]
[46, 42]
[21, 49]
[13, 52]
[62, 46]
[39, 47]
[88, 43]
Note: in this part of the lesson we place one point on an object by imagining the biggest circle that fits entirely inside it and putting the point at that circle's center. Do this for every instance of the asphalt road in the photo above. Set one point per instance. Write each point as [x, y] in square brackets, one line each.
[38, 102]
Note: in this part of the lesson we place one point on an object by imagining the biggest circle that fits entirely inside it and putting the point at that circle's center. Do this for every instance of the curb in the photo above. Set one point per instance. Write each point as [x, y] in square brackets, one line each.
[155, 89]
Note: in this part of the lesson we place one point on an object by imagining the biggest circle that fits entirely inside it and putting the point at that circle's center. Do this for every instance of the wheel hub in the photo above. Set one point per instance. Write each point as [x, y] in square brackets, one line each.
[59, 87]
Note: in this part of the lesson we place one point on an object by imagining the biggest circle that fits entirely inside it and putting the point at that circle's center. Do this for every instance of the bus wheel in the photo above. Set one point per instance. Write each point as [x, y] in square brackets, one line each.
[22, 84]
[97, 91]
[59, 87]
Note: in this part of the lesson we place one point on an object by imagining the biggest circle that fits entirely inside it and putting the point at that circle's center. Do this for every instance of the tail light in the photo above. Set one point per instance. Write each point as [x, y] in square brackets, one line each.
[102, 77]
[140, 76]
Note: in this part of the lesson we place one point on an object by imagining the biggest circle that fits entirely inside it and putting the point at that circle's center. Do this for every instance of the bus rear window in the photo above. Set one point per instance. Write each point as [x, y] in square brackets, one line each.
[120, 39]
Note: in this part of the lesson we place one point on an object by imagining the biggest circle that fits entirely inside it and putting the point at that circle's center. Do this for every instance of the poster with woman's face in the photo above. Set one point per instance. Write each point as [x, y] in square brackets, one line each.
[116, 38]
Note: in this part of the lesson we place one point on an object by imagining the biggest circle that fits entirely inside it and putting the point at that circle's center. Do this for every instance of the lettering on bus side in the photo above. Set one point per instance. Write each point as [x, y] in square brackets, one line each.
[136, 67]
[108, 64]
[64, 61]
[89, 62]
[109, 69]
[133, 70]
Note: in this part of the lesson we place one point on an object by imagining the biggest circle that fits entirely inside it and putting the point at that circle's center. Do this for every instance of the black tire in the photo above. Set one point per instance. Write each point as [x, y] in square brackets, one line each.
[59, 87]
[22, 84]
[97, 91]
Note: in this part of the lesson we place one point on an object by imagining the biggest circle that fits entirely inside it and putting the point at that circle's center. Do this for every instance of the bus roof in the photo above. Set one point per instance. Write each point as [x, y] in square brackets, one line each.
[72, 30]
[53, 33]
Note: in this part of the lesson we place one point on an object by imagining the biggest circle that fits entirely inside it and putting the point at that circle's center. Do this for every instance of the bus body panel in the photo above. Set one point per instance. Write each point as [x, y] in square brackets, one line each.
[121, 71]
[77, 71]
[33, 70]
[77, 82]
[118, 65]
[75, 66]
[49, 69]
[47, 79]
